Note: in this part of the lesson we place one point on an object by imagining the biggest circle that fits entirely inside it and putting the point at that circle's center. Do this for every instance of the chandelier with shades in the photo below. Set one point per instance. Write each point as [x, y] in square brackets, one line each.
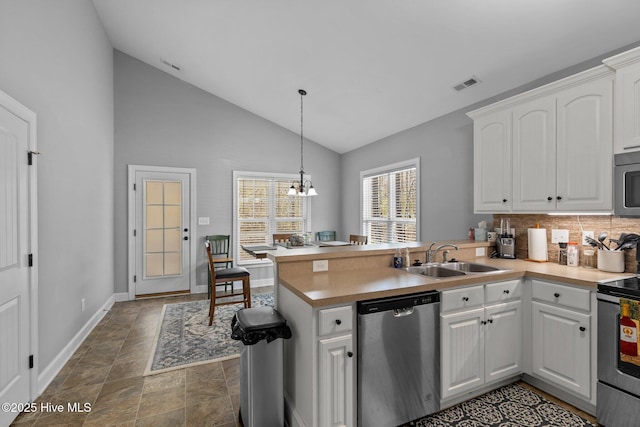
[302, 187]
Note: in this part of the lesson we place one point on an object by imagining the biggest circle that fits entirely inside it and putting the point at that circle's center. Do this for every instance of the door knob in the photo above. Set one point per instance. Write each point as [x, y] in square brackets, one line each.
[557, 295]
[338, 321]
[349, 354]
[582, 329]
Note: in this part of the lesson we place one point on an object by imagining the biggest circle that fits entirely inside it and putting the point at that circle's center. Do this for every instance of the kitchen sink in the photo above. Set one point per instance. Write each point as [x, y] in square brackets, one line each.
[470, 267]
[452, 269]
[434, 270]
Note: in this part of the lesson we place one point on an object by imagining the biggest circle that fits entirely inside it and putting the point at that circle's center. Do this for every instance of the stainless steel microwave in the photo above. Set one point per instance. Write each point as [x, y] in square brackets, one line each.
[627, 184]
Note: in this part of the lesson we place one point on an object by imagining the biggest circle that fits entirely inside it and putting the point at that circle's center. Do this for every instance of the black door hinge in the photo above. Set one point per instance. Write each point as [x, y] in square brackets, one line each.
[134, 187]
[134, 279]
[30, 156]
[30, 260]
[134, 233]
[31, 361]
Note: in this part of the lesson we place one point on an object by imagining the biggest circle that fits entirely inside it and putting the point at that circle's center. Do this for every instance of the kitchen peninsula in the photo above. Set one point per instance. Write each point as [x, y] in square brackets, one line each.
[321, 357]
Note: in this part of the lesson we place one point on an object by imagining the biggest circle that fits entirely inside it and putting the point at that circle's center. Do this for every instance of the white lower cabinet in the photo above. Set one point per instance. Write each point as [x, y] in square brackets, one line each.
[561, 347]
[482, 341]
[335, 381]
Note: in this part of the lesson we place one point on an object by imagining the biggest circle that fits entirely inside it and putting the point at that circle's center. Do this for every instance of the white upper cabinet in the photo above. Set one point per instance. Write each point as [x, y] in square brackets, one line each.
[627, 104]
[560, 139]
[534, 155]
[492, 162]
[584, 153]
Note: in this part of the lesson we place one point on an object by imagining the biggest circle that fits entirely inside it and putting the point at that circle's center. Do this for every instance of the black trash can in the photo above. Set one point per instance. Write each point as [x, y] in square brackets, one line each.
[261, 365]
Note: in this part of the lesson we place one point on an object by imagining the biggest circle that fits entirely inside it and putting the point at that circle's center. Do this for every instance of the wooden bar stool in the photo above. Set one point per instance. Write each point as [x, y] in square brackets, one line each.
[225, 275]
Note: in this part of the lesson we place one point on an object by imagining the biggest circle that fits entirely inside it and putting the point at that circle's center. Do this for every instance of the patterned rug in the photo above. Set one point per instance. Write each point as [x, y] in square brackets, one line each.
[509, 406]
[184, 337]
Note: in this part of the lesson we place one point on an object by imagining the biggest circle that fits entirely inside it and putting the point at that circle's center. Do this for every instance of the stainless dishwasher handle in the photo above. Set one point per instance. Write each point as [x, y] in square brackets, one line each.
[401, 312]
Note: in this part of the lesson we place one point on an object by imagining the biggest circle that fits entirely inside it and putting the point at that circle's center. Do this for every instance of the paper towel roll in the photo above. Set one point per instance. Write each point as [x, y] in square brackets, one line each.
[538, 244]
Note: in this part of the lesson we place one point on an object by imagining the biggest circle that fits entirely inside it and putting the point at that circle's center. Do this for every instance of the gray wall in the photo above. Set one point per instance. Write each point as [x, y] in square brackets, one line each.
[445, 148]
[163, 121]
[57, 61]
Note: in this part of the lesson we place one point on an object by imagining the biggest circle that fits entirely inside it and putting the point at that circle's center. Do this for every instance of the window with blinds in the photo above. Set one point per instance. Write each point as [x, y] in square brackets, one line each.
[262, 208]
[390, 203]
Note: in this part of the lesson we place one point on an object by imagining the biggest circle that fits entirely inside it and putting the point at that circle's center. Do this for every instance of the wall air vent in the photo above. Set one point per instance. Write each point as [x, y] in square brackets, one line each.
[171, 65]
[465, 84]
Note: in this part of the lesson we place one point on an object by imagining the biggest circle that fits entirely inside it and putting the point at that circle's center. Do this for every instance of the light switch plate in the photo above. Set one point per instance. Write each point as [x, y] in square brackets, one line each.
[320, 265]
[558, 236]
[203, 220]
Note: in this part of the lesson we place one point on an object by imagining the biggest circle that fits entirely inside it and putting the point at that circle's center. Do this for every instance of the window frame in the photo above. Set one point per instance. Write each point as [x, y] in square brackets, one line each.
[289, 177]
[387, 169]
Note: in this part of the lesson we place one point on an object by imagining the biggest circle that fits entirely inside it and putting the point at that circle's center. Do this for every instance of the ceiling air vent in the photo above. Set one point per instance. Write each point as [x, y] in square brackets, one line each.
[171, 65]
[468, 82]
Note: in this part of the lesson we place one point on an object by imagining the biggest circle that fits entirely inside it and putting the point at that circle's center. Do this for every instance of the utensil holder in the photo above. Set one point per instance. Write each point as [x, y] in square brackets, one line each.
[612, 261]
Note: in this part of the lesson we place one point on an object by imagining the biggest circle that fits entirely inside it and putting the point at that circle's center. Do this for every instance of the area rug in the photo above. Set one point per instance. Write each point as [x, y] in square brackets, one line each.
[509, 406]
[184, 337]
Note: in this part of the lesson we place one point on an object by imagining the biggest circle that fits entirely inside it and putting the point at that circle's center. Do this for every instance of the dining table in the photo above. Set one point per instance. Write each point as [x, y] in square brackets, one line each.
[261, 251]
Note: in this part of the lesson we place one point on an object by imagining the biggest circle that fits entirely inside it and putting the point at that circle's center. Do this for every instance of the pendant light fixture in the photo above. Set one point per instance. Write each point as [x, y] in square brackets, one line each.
[299, 188]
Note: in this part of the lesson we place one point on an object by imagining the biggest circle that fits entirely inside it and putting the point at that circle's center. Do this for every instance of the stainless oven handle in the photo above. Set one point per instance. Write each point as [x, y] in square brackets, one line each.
[608, 298]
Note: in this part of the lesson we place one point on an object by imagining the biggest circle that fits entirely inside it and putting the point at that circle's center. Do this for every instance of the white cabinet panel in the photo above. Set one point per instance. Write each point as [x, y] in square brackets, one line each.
[462, 351]
[561, 347]
[492, 162]
[503, 340]
[336, 382]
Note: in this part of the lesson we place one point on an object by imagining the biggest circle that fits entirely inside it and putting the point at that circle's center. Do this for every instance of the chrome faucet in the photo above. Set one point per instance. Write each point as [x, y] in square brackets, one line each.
[431, 253]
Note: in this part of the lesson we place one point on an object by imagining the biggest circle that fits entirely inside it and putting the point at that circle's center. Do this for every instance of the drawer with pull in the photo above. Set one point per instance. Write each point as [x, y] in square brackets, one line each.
[502, 291]
[334, 320]
[457, 299]
[565, 295]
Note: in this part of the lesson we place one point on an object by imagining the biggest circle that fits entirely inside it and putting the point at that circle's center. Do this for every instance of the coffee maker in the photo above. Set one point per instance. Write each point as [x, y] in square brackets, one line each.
[506, 242]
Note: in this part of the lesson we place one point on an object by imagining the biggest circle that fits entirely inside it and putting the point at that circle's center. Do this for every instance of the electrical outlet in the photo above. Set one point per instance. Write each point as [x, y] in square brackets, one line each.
[320, 265]
[586, 234]
[558, 236]
[82, 303]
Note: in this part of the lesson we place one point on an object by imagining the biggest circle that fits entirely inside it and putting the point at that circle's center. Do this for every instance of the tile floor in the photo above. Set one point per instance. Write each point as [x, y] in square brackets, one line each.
[107, 372]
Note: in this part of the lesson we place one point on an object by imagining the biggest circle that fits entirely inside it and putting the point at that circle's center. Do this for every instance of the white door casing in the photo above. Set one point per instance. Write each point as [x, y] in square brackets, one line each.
[161, 223]
[18, 237]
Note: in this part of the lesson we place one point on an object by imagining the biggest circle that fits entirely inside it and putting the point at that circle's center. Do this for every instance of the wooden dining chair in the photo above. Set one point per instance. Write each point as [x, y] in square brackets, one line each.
[220, 253]
[282, 238]
[356, 239]
[324, 236]
[224, 275]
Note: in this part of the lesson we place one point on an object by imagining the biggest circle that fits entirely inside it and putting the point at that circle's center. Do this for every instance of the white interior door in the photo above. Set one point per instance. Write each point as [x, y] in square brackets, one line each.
[162, 232]
[15, 303]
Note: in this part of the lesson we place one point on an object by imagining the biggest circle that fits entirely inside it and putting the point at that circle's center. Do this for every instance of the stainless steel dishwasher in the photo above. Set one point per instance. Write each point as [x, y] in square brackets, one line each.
[398, 359]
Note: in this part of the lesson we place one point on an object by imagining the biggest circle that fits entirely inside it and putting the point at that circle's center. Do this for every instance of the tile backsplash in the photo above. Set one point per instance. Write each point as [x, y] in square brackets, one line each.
[575, 224]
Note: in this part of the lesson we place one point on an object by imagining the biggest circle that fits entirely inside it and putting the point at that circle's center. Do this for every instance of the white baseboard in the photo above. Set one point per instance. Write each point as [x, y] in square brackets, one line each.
[49, 373]
[121, 296]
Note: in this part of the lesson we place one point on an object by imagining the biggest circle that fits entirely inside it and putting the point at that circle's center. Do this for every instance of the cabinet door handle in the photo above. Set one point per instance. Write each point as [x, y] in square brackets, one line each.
[349, 354]
[465, 299]
[506, 291]
[557, 295]
[582, 329]
[549, 198]
[338, 322]
[490, 320]
[504, 200]
[559, 198]
[482, 322]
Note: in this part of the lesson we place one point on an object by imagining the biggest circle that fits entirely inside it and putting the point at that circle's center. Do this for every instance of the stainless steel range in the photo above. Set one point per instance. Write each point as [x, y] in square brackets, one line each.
[618, 391]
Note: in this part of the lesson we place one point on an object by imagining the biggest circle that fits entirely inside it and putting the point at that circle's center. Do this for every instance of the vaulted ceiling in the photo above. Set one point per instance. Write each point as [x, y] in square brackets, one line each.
[371, 68]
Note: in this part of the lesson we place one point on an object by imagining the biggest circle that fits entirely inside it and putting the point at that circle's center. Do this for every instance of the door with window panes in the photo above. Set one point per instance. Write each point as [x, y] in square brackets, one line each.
[162, 232]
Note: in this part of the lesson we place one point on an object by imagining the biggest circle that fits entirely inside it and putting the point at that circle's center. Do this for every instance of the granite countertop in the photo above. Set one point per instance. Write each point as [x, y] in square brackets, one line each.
[328, 288]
